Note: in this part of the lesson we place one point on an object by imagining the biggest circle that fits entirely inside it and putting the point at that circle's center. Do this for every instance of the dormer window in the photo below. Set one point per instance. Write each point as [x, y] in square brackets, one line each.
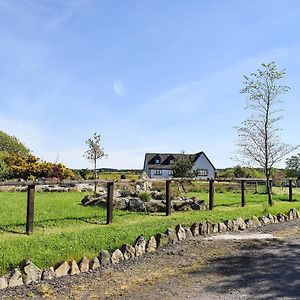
[157, 161]
[171, 161]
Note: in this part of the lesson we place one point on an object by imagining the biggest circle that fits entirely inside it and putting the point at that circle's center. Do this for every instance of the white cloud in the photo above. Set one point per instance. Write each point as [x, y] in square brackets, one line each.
[119, 88]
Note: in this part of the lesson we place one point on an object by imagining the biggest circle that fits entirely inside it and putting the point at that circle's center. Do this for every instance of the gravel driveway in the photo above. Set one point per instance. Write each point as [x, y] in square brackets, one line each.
[251, 267]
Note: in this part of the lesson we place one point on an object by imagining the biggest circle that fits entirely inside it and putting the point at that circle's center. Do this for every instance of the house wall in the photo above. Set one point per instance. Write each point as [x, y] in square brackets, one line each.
[203, 163]
[164, 174]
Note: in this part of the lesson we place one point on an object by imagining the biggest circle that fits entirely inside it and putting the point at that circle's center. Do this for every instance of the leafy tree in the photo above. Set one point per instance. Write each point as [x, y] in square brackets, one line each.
[258, 138]
[94, 153]
[12, 145]
[293, 166]
[182, 167]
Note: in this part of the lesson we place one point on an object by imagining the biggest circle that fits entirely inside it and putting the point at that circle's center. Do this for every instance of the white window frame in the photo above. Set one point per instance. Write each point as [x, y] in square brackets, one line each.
[157, 172]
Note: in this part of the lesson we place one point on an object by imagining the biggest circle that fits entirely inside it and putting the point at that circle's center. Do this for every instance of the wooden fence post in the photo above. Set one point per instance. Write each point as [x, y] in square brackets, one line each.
[290, 190]
[211, 194]
[243, 192]
[109, 202]
[168, 197]
[30, 209]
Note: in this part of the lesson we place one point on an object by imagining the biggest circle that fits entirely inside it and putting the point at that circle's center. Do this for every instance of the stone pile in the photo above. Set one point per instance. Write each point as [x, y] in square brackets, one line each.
[29, 273]
[136, 204]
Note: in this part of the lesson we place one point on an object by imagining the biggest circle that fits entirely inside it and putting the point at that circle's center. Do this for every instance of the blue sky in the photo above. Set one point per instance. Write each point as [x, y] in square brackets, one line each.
[149, 76]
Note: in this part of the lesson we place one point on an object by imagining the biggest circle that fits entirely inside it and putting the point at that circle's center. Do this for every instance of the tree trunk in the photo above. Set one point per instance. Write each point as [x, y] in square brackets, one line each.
[95, 176]
[269, 191]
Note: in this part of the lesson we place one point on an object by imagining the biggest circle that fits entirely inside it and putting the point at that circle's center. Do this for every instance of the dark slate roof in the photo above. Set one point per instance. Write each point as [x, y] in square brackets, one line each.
[165, 159]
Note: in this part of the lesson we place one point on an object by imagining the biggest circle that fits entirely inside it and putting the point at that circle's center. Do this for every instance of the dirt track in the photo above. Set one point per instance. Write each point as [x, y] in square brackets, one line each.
[196, 269]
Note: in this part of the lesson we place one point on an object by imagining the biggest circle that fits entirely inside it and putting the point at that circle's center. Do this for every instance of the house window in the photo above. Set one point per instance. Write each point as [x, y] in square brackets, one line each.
[157, 161]
[157, 172]
[203, 172]
[171, 161]
[170, 172]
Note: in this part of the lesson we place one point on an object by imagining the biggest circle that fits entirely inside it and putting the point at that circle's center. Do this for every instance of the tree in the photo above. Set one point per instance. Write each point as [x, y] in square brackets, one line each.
[94, 153]
[258, 136]
[293, 166]
[183, 166]
[12, 145]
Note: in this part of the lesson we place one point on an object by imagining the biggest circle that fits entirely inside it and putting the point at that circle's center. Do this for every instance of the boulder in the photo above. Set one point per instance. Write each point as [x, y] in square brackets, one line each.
[172, 235]
[199, 205]
[84, 265]
[31, 272]
[162, 239]
[140, 246]
[151, 245]
[15, 278]
[104, 258]
[203, 228]
[128, 251]
[117, 257]
[74, 269]
[229, 225]
[188, 234]
[240, 224]
[136, 204]
[195, 229]
[180, 232]
[264, 220]
[155, 206]
[48, 274]
[157, 195]
[182, 205]
[3, 282]
[94, 263]
[62, 269]
[95, 199]
[249, 223]
[215, 228]
[271, 218]
[222, 227]
[255, 222]
[209, 227]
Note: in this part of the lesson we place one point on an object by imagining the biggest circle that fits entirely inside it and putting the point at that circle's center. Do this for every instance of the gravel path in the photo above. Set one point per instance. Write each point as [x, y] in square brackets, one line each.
[233, 268]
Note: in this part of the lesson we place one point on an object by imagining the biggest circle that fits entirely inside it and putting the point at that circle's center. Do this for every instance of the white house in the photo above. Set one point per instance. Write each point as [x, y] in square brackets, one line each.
[159, 165]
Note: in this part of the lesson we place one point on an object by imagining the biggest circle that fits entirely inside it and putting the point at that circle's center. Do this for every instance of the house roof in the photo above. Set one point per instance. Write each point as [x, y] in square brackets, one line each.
[165, 158]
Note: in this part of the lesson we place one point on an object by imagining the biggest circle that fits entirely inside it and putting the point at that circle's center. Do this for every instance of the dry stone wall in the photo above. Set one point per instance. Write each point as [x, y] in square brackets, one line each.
[29, 273]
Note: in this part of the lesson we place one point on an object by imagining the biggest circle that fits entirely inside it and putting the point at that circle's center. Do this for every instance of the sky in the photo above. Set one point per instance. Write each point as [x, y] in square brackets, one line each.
[148, 76]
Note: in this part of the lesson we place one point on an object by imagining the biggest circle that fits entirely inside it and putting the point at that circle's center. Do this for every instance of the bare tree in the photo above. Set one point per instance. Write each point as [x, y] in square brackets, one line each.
[94, 153]
[258, 136]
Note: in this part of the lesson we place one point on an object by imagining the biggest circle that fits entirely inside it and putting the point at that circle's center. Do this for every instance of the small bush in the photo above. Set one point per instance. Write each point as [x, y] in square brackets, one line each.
[144, 196]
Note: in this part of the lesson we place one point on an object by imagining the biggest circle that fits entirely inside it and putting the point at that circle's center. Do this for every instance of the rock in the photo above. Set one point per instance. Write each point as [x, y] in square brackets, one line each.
[128, 251]
[195, 229]
[172, 235]
[182, 206]
[293, 214]
[94, 263]
[95, 199]
[104, 258]
[84, 265]
[255, 222]
[240, 224]
[235, 226]
[62, 269]
[271, 218]
[3, 282]
[229, 225]
[162, 239]
[209, 228]
[31, 272]
[140, 246]
[48, 274]
[199, 205]
[117, 256]
[180, 232]
[215, 228]
[157, 195]
[188, 234]
[151, 245]
[264, 220]
[15, 278]
[74, 269]
[121, 203]
[156, 206]
[280, 217]
[203, 228]
[222, 227]
[249, 223]
[136, 204]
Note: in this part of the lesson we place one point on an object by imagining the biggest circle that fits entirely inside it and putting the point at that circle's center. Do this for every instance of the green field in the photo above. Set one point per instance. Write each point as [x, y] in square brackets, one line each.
[65, 230]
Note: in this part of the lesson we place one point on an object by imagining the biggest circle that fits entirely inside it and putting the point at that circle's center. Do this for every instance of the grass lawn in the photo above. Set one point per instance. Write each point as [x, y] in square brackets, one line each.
[65, 230]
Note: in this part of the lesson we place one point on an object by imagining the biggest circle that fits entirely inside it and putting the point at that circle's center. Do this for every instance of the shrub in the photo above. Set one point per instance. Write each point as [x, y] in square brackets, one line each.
[144, 196]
